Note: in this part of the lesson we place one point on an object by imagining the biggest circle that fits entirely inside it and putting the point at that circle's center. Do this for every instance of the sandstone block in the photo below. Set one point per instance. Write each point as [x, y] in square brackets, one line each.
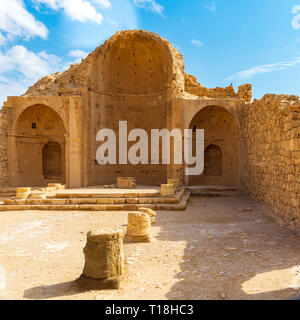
[38, 195]
[139, 227]
[151, 213]
[168, 190]
[57, 186]
[23, 193]
[175, 182]
[126, 183]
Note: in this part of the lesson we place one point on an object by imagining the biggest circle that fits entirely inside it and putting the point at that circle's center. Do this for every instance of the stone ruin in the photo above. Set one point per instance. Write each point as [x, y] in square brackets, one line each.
[139, 227]
[104, 261]
[48, 135]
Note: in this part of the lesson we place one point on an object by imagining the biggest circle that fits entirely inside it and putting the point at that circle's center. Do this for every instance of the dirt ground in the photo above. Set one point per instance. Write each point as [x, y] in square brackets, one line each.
[210, 251]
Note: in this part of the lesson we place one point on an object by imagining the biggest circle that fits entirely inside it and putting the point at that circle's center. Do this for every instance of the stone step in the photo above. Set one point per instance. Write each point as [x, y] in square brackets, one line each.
[100, 207]
[96, 201]
[213, 191]
[68, 195]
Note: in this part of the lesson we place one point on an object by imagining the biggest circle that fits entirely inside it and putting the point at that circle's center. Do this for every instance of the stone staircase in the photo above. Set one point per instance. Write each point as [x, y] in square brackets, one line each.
[7, 193]
[101, 201]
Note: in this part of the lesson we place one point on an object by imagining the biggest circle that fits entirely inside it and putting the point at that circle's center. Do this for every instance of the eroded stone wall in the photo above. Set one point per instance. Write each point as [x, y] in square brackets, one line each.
[272, 133]
[134, 78]
[3, 149]
[192, 86]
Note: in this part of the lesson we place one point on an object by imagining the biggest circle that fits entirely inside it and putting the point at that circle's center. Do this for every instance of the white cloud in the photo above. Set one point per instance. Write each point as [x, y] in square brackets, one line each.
[77, 10]
[27, 68]
[296, 19]
[15, 20]
[31, 65]
[149, 5]
[2, 39]
[103, 3]
[210, 7]
[250, 73]
[77, 54]
[197, 43]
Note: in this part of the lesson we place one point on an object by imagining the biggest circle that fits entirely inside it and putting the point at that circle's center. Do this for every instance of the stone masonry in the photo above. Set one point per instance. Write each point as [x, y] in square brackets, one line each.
[48, 135]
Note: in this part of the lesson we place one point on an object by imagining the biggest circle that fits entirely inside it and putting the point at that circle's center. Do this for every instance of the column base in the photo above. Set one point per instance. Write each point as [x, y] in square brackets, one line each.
[89, 284]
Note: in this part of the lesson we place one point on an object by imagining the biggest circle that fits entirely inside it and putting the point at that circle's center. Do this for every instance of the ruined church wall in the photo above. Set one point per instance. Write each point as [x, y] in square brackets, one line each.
[133, 78]
[272, 135]
[3, 150]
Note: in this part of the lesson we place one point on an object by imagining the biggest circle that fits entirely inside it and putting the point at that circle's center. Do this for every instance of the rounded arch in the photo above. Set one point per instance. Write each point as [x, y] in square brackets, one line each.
[134, 63]
[214, 114]
[222, 146]
[36, 127]
[44, 120]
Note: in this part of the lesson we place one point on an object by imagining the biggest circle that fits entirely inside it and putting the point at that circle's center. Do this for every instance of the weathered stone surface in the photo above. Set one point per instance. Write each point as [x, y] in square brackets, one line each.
[57, 186]
[126, 183]
[23, 193]
[272, 127]
[89, 284]
[151, 213]
[175, 182]
[38, 195]
[104, 255]
[168, 190]
[139, 227]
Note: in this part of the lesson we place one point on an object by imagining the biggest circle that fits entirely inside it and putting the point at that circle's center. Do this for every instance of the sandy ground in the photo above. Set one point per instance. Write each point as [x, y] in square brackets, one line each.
[210, 251]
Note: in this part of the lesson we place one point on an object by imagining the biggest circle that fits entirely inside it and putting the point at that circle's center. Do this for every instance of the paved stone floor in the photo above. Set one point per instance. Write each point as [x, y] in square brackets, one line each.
[213, 250]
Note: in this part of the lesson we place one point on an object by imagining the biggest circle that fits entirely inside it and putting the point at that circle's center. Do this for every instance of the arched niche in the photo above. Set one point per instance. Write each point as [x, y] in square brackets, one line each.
[39, 127]
[222, 147]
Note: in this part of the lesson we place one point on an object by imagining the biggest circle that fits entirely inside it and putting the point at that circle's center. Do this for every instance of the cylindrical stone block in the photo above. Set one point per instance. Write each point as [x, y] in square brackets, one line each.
[139, 224]
[23, 193]
[104, 254]
[151, 213]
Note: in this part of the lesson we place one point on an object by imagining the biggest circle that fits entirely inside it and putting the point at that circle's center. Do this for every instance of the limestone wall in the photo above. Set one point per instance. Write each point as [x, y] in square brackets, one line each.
[193, 87]
[272, 134]
[3, 150]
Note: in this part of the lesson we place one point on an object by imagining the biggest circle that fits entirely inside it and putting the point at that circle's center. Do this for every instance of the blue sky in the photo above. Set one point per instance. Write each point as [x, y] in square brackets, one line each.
[222, 41]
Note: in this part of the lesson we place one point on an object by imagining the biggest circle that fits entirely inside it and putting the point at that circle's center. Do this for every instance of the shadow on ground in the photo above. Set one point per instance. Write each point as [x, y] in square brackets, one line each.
[231, 254]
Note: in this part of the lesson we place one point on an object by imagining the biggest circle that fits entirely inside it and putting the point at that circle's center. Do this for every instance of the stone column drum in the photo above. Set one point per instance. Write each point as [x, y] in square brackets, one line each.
[151, 213]
[139, 227]
[104, 260]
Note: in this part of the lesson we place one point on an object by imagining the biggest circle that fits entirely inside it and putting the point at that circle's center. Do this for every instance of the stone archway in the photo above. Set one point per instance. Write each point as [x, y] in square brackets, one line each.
[39, 147]
[222, 147]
